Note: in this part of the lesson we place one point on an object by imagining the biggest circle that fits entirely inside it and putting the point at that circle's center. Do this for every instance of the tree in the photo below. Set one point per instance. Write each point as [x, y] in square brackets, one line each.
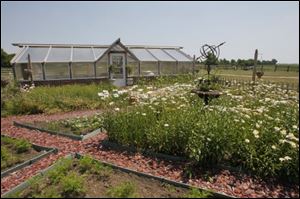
[274, 61]
[232, 62]
[5, 58]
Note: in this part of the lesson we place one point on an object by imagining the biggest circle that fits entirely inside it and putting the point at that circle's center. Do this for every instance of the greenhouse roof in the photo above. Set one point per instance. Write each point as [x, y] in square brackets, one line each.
[41, 53]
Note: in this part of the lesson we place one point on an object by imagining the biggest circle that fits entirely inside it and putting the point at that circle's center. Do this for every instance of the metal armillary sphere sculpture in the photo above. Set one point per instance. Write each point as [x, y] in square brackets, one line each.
[209, 54]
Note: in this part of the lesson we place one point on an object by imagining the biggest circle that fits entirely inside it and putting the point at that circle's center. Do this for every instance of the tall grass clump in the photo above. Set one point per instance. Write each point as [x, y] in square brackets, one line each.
[46, 99]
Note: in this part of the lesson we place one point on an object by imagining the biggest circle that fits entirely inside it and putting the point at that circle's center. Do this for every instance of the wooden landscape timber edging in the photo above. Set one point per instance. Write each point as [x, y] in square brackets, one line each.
[26, 184]
[115, 146]
[74, 137]
[47, 151]
[172, 182]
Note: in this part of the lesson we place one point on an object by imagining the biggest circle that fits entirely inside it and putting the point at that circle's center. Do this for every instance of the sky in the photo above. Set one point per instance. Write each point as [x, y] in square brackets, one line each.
[270, 27]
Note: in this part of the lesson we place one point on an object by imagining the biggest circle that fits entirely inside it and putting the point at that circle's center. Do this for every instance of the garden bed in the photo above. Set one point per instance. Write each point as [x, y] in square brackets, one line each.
[18, 153]
[79, 176]
[115, 146]
[79, 128]
[261, 123]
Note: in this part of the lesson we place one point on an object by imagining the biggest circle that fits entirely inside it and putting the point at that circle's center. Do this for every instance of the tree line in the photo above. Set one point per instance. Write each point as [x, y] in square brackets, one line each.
[244, 62]
[5, 58]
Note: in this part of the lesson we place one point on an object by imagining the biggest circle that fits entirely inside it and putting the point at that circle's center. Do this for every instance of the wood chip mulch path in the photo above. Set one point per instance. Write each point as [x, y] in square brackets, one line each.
[230, 183]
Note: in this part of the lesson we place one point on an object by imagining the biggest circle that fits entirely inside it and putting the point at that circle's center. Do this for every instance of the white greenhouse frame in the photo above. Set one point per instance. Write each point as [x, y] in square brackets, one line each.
[92, 54]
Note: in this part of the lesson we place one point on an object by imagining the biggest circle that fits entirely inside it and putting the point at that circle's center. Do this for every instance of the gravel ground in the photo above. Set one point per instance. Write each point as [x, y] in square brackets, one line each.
[230, 183]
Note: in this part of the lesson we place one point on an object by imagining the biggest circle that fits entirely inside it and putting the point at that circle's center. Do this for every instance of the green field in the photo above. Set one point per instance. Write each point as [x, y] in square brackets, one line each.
[279, 76]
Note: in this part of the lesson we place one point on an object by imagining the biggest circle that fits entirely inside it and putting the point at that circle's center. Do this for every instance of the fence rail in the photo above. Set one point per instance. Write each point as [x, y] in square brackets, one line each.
[6, 74]
[275, 68]
[241, 83]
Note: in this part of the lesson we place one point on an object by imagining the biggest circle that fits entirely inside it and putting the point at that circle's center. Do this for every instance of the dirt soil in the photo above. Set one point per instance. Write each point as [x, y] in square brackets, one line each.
[145, 187]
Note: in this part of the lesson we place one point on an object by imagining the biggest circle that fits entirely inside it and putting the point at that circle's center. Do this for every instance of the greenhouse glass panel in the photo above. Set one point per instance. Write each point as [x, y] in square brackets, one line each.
[117, 48]
[143, 55]
[102, 67]
[57, 71]
[177, 55]
[83, 54]
[36, 55]
[133, 65]
[161, 55]
[59, 55]
[185, 67]
[81, 70]
[99, 51]
[167, 68]
[21, 73]
[37, 71]
[149, 68]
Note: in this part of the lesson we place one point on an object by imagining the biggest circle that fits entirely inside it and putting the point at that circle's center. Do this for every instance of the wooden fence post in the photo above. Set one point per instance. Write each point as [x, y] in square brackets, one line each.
[194, 61]
[29, 69]
[254, 67]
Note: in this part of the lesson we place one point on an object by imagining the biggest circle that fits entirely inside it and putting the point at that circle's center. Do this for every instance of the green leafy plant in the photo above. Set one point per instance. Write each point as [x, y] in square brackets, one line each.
[86, 164]
[73, 185]
[196, 193]
[124, 190]
[60, 170]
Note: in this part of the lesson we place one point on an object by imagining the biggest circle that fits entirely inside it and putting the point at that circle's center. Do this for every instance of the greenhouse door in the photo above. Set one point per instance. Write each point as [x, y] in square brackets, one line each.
[117, 63]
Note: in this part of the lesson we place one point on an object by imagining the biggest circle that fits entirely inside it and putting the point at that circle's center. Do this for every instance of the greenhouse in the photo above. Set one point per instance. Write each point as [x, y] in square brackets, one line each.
[117, 62]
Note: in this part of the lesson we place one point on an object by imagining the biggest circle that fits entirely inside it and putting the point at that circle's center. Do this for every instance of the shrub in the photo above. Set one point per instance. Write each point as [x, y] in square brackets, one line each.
[86, 164]
[55, 175]
[22, 146]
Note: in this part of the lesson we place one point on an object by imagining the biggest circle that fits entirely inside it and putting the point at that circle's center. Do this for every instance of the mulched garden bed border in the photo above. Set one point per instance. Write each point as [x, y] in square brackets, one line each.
[47, 152]
[115, 146]
[26, 184]
[74, 137]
